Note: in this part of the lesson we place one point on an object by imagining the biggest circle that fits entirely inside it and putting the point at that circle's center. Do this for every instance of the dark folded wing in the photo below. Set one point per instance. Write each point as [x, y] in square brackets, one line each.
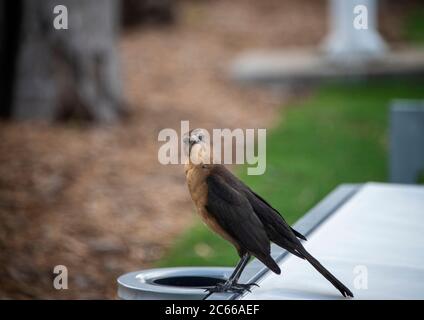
[235, 215]
[274, 215]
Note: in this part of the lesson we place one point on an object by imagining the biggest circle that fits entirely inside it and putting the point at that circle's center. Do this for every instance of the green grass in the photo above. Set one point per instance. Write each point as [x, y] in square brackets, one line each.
[337, 135]
[414, 26]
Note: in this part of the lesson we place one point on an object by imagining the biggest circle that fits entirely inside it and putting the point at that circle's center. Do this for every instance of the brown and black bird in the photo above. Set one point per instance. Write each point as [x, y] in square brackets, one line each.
[239, 215]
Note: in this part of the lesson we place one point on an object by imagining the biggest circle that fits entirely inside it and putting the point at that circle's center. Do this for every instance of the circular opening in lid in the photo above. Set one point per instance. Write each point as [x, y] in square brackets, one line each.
[188, 281]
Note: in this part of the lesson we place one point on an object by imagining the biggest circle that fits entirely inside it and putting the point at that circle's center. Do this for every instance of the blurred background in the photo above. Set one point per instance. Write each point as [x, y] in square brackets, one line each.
[81, 108]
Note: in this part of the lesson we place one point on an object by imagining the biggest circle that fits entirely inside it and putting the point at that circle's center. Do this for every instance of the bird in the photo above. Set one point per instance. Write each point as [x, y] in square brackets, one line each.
[235, 212]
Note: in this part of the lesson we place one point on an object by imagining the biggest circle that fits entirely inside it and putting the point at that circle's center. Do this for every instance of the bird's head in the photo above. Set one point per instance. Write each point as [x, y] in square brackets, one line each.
[197, 143]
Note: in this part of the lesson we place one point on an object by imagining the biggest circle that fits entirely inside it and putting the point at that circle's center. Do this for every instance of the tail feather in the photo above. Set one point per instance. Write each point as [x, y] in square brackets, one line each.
[319, 267]
[270, 263]
[298, 234]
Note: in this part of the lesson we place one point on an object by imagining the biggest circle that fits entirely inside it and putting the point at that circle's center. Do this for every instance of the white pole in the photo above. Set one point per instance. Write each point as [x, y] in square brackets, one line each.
[353, 37]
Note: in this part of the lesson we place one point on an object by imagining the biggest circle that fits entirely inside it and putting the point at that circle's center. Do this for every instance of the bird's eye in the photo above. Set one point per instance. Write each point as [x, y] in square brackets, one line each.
[200, 137]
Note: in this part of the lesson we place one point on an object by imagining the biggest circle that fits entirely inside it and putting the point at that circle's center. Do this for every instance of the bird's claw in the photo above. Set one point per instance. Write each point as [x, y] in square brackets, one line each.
[230, 287]
[244, 286]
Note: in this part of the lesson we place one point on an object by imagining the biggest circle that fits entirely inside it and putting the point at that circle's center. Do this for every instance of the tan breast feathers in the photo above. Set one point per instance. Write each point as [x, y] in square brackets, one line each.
[196, 181]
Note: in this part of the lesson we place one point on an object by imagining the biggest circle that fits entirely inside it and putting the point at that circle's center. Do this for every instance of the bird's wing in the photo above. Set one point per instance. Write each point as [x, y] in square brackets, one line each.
[233, 212]
[280, 217]
[235, 215]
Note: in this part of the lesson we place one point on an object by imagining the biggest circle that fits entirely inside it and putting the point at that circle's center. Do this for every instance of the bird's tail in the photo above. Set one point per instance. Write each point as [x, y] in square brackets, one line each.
[319, 267]
[270, 263]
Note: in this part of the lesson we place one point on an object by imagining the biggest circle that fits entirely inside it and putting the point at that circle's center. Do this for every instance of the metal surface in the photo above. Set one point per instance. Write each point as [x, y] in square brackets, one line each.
[374, 243]
[185, 283]
[406, 141]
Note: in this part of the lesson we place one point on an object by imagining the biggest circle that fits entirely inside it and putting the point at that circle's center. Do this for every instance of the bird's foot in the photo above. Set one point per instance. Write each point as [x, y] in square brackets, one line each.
[243, 286]
[230, 286]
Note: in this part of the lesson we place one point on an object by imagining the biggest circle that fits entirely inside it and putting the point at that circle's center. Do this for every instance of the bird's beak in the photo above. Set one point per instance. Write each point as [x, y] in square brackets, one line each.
[193, 140]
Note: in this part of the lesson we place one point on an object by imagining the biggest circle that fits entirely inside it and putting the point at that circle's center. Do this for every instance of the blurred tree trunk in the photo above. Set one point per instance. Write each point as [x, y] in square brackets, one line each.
[70, 72]
[10, 20]
[135, 12]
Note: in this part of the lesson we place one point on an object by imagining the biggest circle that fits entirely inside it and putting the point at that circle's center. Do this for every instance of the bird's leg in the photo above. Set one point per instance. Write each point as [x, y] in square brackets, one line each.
[233, 280]
[239, 268]
[232, 285]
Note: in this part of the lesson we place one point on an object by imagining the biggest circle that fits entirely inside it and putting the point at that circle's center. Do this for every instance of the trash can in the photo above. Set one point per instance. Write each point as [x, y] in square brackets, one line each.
[183, 283]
